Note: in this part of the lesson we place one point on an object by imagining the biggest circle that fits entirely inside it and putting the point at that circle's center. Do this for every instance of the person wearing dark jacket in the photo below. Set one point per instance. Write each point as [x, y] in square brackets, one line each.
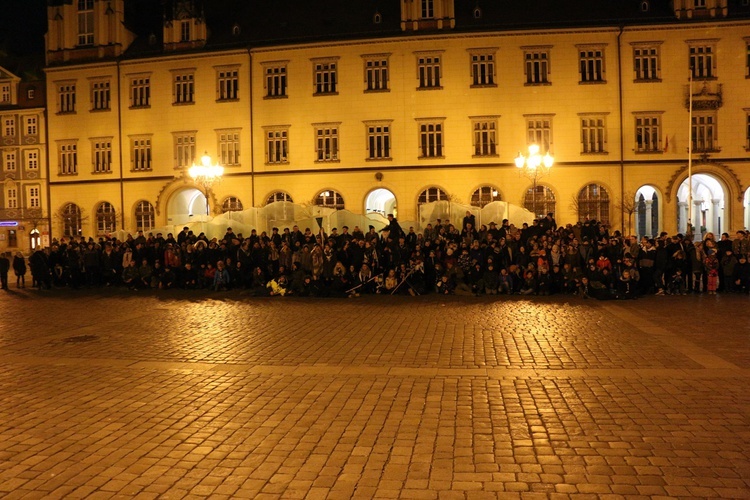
[19, 268]
[4, 269]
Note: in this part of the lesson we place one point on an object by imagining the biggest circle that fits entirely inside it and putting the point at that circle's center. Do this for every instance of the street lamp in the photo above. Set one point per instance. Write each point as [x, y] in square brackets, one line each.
[206, 175]
[534, 167]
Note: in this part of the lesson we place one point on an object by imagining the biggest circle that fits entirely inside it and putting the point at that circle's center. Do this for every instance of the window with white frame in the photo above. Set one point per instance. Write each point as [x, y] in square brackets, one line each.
[85, 22]
[646, 62]
[591, 64]
[30, 125]
[72, 220]
[593, 134]
[106, 218]
[227, 84]
[539, 131]
[9, 161]
[376, 72]
[378, 140]
[431, 194]
[184, 87]
[275, 79]
[279, 196]
[66, 98]
[648, 133]
[699, 4]
[229, 146]
[484, 136]
[31, 159]
[184, 149]
[427, 9]
[11, 197]
[101, 155]
[140, 92]
[9, 126]
[100, 95]
[67, 157]
[537, 65]
[483, 68]
[140, 153]
[325, 76]
[231, 204]
[593, 203]
[330, 199]
[33, 197]
[704, 132]
[5, 93]
[431, 139]
[277, 145]
[145, 216]
[484, 196]
[326, 142]
[429, 71]
[703, 59]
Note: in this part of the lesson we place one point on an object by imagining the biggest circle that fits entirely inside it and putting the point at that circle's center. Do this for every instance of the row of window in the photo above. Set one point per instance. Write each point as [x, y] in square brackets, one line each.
[537, 70]
[379, 140]
[592, 203]
[9, 126]
[10, 159]
[32, 200]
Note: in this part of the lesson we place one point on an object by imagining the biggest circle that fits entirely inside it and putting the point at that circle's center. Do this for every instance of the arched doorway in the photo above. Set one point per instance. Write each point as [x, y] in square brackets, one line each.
[708, 196]
[647, 206]
[186, 205]
[381, 201]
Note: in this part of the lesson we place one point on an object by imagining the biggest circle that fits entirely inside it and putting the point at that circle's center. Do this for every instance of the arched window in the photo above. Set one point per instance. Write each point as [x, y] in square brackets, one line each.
[485, 195]
[431, 194]
[330, 199]
[231, 204]
[593, 203]
[71, 216]
[106, 219]
[144, 216]
[279, 196]
[540, 202]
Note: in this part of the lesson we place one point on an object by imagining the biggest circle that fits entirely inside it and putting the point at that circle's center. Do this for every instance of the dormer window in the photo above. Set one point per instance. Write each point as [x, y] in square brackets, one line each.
[85, 22]
[236, 30]
[428, 9]
[699, 4]
[477, 13]
[4, 93]
[644, 6]
[377, 18]
[31, 94]
[185, 31]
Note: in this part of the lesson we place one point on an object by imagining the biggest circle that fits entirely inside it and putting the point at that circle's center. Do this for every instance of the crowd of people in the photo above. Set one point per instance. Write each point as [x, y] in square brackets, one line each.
[585, 259]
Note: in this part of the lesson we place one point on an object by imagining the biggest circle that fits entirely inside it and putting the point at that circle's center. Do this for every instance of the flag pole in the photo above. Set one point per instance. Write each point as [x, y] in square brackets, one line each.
[690, 152]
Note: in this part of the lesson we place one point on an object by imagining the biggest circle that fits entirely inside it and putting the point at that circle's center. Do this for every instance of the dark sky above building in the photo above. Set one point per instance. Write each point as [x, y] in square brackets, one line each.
[22, 26]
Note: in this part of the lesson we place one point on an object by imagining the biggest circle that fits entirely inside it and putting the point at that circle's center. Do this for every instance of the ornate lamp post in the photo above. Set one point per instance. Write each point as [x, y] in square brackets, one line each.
[534, 167]
[206, 175]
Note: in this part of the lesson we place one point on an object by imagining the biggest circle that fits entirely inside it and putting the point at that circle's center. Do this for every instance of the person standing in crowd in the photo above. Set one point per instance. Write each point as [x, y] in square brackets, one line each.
[4, 269]
[19, 268]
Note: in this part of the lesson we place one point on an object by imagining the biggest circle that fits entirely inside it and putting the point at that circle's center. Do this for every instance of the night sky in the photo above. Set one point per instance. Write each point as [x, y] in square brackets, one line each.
[22, 27]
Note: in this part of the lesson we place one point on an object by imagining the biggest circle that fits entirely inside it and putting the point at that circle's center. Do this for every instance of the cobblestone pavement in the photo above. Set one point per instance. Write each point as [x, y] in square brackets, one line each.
[114, 394]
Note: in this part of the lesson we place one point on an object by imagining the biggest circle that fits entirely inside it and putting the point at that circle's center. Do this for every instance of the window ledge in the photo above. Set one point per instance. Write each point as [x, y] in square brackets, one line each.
[593, 82]
[140, 170]
[66, 113]
[100, 110]
[485, 156]
[377, 91]
[94, 172]
[378, 159]
[649, 152]
[189, 103]
[323, 94]
[431, 158]
[647, 80]
[327, 161]
[145, 106]
[272, 97]
[537, 84]
[596, 153]
[438, 87]
[235, 99]
[277, 163]
[484, 86]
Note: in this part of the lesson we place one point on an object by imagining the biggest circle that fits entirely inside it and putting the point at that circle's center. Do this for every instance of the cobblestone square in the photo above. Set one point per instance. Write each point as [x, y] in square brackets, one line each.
[105, 393]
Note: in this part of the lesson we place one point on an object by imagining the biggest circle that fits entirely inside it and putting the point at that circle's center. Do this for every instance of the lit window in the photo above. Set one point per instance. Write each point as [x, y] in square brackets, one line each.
[483, 69]
[591, 61]
[593, 134]
[85, 22]
[431, 140]
[593, 203]
[144, 216]
[429, 71]
[330, 199]
[539, 132]
[229, 147]
[326, 79]
[277, 145]
[485, 136]
[327, 143]
[376, 73]
[231, 204]
[227, 84]
[106, 218]
[140, 92]
[66, 98]
[101, 150]
[184, 146]
[703, 60]
[140, 153]
[647, 133]
[279, 196]
[67, 153]
[276, 79]
[646, 64]
[100, 95]
[378, 140]
[184, 88]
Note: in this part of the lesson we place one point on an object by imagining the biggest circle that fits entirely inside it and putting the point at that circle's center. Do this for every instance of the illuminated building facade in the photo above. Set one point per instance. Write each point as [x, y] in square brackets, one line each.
[394, 104]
